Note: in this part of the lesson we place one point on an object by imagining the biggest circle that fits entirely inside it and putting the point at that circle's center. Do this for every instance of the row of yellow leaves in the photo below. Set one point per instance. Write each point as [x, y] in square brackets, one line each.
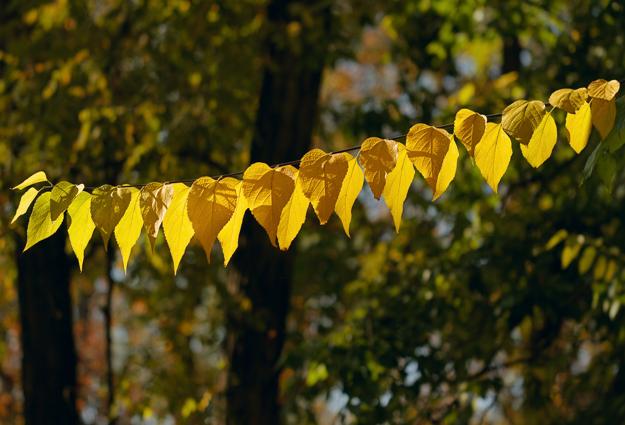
[278, 197]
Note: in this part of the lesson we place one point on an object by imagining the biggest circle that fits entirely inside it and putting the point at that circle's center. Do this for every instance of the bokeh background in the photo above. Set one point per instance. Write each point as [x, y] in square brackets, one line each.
[483, 309]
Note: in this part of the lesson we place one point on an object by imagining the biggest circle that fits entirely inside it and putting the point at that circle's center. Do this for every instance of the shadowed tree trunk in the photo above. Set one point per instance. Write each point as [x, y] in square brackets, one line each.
[284, 124]
[48, 352]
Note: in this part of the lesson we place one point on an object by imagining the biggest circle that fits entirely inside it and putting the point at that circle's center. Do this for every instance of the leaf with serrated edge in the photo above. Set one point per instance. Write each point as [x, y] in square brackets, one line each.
[578, 127]
[469, 128]
[521, 118]
[176, 224]
[293, 216]
[492, 154]
[40, 225]
[229, 234]
[154, 201]
[398, 182]
[378, 158]
[61, 196]
[108, 205]
[541, 145]
[38, 177]
[27, 198]
[80, 225]
[352, 185]
[128, 229]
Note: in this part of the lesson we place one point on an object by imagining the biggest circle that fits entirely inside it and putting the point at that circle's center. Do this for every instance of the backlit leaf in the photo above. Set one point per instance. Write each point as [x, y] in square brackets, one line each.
[80, 225]
[61, 196]
[128, 229]
[154, 201]
[377, 157]
[469, 128]
[176, 224]
[586, 259]
[352, 185]
[294, 215]
[602, 89]
[108, 205]
[521, 118]
[210, 205]
[539, 149]
[267, 190]
[229, 234]
[568, 99]
[578, 127]
[38, 177]
[40, 225]
[322, 176]
[603, 115]
[492, 154]
[27, 198]
[397, 184]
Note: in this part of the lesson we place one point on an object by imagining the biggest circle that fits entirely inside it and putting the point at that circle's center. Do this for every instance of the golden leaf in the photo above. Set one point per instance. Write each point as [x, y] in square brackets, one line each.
[568, 99]
[62, 195]
[128, 230]
[154, 201]
[352, 185]
[27, 198]
[397, 184]
[604, 90]
[293, 216]
[229, 234]
[108, 205]
[492, 154]
[578, 127]
[521, 118]
[80, 225]
[469, 128]
[539, 149]
[38, 177]
[378, 157]
[176, 224]
[603, 115]
[40, 225]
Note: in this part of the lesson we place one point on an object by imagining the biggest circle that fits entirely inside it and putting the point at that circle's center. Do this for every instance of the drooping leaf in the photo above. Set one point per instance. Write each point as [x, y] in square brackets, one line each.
[154, 201]
[578, 127]
[492, 154]
[521, 118]
[569, 100]
[210, 205]
[128, 229]
[267, 190]
[38, 177]
[108, 205]
[434, 154]
[80, 225]
[322, 176]
[397, 184]
[603, 115]
[377, 157]
[604, 90]
[352, 185]
[294, 215]
[27, 198]
[229, 234]
[469, 128]
[40, 224]
[176, 224]
[62, 195]
[539, 149]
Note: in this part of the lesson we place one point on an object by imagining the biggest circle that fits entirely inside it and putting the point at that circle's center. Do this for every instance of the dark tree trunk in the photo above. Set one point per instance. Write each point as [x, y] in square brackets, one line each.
[48, 352]
[284, 124]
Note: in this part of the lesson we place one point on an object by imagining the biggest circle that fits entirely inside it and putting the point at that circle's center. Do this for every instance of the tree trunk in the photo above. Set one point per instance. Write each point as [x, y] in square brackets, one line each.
[284, 124]
[48, 352]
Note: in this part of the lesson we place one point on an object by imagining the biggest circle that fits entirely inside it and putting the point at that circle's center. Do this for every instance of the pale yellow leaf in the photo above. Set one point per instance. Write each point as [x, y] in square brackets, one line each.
[352, 185]
[229, 234]
[210, 205]
[62, 195]
[428, 148]
[539, 149]
[603, 115]
[38, 177]
[521, 118]
[27, 198]
[108, 205]
[578, 127]
[294, 215]
[322, 176]
[602, 89]
[128, 229]
[80, 225]
[492, 154]
[378, 158]
[40, 225]
[568, 99]
[267, 190]
[176, 224]
[469, 128]
[154, 201]
[397, 184]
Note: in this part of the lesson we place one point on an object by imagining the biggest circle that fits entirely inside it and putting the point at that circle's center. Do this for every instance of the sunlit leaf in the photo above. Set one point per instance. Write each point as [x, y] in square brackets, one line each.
[61, 196]
[578, 127]
[176, 224]
[352, 185]
[40, 224]
[80, 225]
[569, 100]
[27, 198]
[492, 154]
[108, 205]
[571, 249]
[294, 215]
[604, 90]
[469, 128]
[378, 158]
[521, 118]
[603, 115]
[539, 149]
[229, 234]
[397, 184]
[38, 177]
[128, 229]
[586, 259]
[154, 201]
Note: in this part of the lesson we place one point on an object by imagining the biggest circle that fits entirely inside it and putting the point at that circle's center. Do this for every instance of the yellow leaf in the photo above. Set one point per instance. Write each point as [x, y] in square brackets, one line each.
[602, 89]
[352, 185]
[585, 261]
[267, 190]
[568, 99]
[603, 115]
[600, 268]
[570, 251]
[322, 176]
[81, 226]
[539, 149]
[294, 215]
[154, 201]
[434, 154]
[578, 127]
[38, 177]
[521, 118]
[210, 205]
[108, 205]
[469, 128]
[40, 225]
[397, 184]
[378, 158]
[176, 224]
[62, 195]
[492, 154]
[128, 229]
[27, 198]
[229, 234]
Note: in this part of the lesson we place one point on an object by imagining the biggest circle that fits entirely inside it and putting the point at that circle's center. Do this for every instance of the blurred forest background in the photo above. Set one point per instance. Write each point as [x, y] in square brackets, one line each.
[484, 309]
